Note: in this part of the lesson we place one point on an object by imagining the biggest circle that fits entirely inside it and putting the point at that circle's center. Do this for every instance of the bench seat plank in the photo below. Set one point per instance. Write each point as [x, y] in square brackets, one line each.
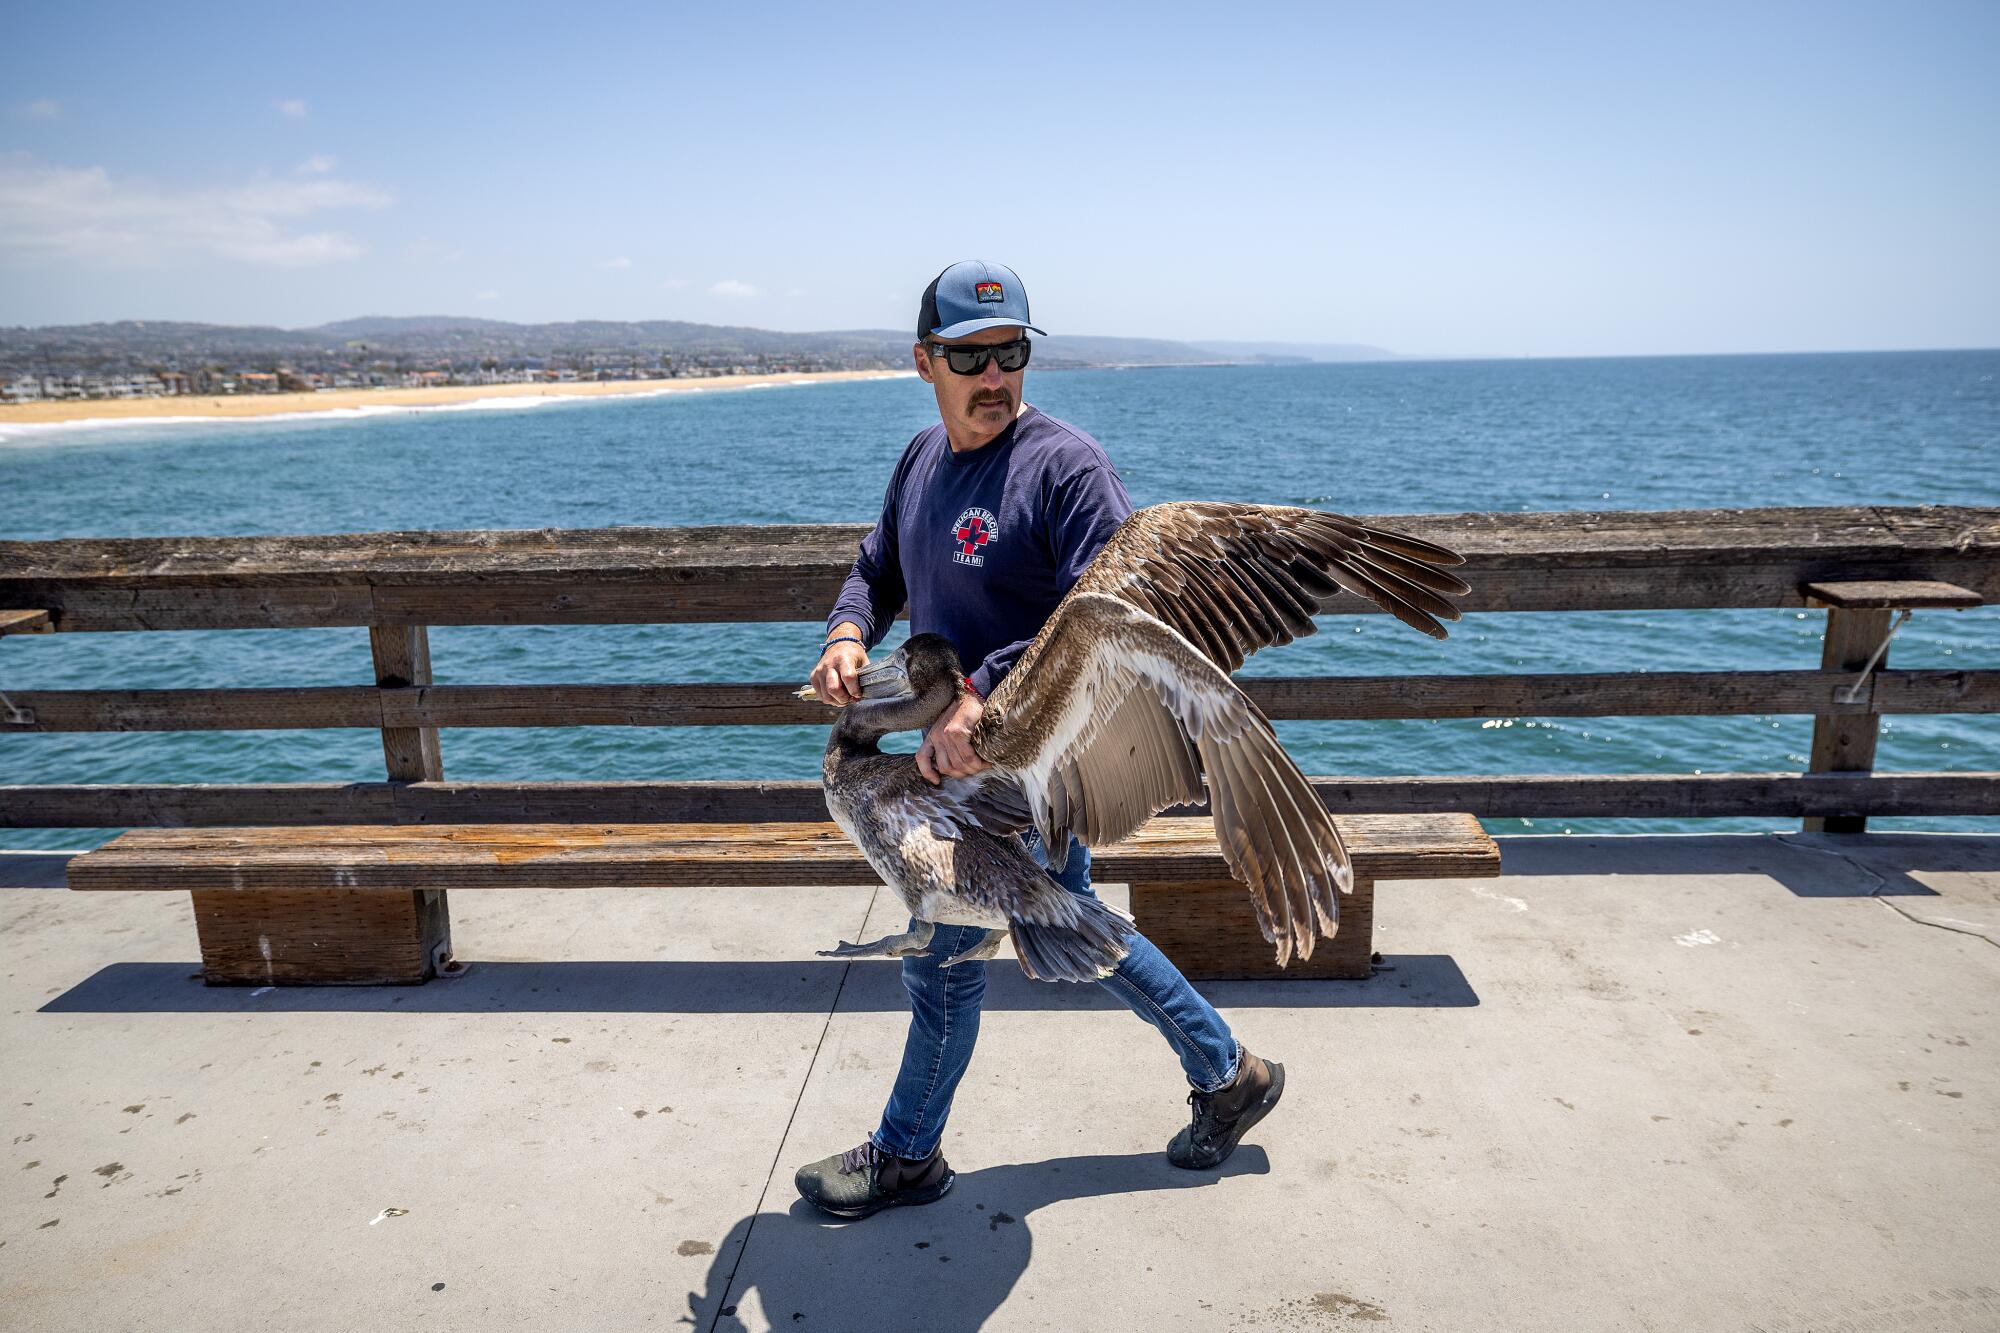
[548, 856]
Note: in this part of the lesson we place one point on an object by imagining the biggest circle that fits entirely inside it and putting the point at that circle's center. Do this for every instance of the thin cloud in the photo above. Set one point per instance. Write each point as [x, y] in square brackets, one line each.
[488, 295]
[319, 164]
[675, 284]
[425, 250]
[42, 108]
[620, 262]
[88, 215]
[294, 107]
[732, 289]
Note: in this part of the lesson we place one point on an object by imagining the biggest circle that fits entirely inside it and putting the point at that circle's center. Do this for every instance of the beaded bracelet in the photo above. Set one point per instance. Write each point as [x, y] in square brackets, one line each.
[845, 638]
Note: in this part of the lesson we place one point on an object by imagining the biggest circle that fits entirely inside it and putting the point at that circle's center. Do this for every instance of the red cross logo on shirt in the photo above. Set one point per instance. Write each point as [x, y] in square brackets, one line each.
[974, 530]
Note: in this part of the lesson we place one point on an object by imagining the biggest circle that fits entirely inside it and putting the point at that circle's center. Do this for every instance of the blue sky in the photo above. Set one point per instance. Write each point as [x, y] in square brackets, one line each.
[1495, 180]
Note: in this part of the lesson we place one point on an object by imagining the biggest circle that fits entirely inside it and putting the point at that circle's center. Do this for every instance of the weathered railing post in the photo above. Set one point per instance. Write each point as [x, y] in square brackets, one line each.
[1845, 742]
[1858, 628]
[403, 659]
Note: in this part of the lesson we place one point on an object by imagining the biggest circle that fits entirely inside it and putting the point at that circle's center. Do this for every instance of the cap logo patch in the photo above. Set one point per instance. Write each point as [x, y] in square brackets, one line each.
[988, 291]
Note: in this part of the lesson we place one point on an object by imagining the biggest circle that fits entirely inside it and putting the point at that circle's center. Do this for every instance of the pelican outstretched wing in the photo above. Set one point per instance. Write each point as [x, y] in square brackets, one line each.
[1234, 578]
[1117, 717]
[1123, 702]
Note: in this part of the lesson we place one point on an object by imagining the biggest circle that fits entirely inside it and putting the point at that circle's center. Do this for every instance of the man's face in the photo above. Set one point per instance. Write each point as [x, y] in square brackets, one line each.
[975, 408]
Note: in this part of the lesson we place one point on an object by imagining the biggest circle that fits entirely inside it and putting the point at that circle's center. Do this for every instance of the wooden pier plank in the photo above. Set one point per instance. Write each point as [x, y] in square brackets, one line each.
[1516, 562]
[285, 708]
[1284, 698]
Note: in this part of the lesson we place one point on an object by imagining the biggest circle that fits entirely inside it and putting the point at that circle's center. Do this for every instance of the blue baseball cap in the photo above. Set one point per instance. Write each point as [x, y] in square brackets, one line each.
[971, 296]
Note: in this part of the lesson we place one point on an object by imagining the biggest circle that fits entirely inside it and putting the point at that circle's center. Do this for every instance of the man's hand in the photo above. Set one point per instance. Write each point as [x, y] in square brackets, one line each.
[833, 679]
[947, 748]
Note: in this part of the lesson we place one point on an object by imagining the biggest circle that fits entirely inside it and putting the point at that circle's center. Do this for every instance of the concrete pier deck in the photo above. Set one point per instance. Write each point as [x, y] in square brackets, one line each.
[1677, 1083]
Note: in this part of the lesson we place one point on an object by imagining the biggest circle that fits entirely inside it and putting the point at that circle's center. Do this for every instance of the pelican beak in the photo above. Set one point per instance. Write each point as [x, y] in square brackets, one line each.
[883, 680]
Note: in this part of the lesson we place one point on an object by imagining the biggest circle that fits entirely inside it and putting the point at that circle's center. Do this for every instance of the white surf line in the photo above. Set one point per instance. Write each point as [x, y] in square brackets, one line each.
[30, 432]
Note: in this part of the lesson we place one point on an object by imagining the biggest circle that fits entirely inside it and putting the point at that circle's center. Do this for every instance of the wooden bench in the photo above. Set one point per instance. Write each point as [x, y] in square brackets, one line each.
[364, 905]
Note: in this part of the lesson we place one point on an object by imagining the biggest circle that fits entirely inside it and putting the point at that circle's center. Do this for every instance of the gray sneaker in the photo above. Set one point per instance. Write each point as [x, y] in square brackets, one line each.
[1225, 1115]
[865, 1180]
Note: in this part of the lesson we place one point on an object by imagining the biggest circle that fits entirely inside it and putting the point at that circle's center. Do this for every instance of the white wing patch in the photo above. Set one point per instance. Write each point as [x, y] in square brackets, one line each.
[1111, 678]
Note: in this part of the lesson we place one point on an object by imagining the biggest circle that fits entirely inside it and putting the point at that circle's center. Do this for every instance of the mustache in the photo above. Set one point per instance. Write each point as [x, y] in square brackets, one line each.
[982, 399]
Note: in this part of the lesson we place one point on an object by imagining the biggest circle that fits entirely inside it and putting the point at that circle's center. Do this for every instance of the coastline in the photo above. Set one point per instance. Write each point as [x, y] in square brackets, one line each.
[106, 411]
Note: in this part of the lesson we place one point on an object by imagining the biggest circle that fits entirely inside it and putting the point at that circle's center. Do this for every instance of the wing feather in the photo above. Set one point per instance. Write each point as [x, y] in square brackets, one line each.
[1282, 594]
[1290, 873]
[1291, 801]
[1234, 578]
[1200, 601]
[1247, 606]
[1253, 841]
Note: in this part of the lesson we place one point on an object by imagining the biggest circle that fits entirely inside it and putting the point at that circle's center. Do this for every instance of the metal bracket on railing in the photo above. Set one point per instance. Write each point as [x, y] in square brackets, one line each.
[1853, 692]
[20, 717]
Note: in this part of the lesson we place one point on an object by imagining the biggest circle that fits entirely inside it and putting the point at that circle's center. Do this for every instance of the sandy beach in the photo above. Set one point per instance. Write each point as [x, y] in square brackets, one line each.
[280, 404]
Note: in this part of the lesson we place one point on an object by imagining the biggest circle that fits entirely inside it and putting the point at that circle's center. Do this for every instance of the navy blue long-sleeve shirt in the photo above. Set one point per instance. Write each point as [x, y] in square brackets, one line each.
[984, 544]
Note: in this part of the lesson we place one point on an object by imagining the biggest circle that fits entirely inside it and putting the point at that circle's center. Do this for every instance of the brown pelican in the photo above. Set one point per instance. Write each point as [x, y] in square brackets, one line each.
[1116, 711]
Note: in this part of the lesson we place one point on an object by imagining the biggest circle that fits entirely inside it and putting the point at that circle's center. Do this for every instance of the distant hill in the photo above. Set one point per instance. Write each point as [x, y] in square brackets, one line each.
[415, 334]
[1077, 349]
[1295, 352]
[133, 345]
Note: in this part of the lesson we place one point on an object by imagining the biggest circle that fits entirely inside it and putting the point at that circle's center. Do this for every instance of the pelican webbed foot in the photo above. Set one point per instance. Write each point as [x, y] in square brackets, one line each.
[983, 950]
[909, 944]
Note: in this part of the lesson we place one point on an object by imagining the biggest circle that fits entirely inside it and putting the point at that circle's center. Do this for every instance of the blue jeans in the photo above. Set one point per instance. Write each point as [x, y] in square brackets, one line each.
[944, 1019]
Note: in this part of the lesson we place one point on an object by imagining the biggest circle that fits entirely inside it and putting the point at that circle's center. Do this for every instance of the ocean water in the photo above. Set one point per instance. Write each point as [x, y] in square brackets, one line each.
[1396, 437]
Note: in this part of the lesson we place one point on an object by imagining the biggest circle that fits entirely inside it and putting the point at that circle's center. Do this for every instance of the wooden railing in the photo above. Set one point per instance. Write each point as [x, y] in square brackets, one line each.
[397, 584]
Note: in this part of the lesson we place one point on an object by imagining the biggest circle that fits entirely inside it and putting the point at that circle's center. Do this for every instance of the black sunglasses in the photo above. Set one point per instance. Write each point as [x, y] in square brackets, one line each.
[1011, 356]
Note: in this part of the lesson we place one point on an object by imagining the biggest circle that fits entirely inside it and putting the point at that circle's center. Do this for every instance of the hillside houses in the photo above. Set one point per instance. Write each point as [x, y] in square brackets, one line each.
[222, 382]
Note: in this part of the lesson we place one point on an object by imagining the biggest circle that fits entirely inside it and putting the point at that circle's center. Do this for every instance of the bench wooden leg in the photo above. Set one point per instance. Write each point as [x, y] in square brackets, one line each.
[317, 937]
[1209, 931]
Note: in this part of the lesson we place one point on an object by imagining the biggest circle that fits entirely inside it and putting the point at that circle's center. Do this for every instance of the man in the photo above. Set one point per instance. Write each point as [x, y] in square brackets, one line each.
[990, 516]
